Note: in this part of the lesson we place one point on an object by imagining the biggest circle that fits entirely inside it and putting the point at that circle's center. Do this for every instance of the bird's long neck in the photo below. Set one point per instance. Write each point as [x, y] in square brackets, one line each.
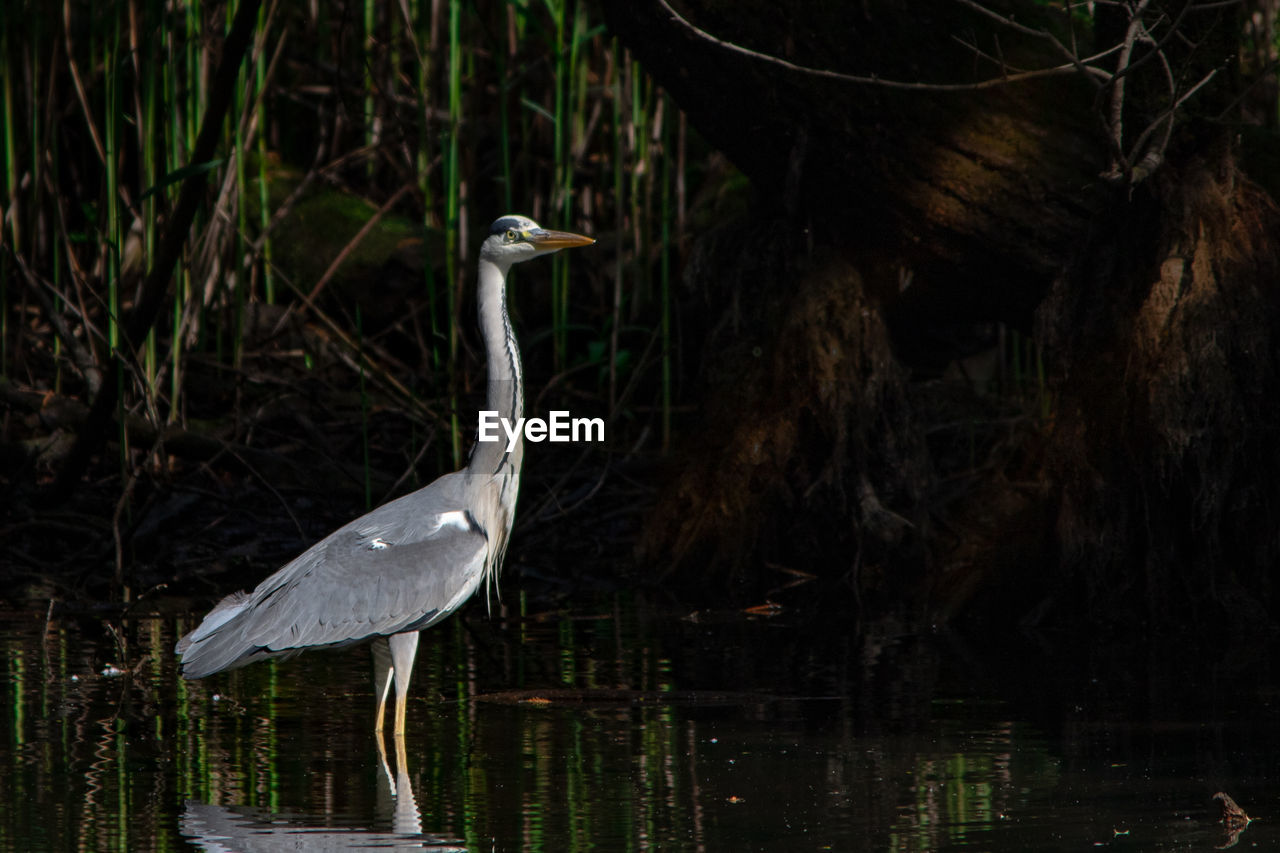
[505, 380]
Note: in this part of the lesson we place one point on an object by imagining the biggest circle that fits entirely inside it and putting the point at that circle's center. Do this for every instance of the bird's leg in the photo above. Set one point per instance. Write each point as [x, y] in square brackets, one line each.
[382, 671]
[404, 647]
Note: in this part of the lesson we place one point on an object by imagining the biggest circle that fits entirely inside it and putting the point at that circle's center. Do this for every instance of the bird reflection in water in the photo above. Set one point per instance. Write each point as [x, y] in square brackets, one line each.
[249, 830]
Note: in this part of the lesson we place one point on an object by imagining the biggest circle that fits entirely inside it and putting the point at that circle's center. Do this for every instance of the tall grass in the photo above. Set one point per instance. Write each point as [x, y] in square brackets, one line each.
[480, 109]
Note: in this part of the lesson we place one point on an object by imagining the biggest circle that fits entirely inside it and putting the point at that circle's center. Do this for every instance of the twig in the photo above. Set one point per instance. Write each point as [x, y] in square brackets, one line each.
[1166, 118]
[359, 238]
[863, 80]
[48, 620]
[78, 84]
[1116, 119]
[81, 357]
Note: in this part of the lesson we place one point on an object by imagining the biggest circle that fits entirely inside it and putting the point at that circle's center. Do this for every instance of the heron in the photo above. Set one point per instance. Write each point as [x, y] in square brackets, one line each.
[409, 563]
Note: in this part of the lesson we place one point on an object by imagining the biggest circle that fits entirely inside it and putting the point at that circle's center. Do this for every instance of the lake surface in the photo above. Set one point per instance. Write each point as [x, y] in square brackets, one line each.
[615, 725]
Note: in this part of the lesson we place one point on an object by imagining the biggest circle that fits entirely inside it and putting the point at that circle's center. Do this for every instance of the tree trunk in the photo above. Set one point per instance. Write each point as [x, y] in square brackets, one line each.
[1163, 451]
[1155, 469]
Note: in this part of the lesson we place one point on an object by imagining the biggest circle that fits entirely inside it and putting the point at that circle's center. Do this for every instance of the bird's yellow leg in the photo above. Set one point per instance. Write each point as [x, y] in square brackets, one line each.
[401, 706]
[404, 648]
[382, 672]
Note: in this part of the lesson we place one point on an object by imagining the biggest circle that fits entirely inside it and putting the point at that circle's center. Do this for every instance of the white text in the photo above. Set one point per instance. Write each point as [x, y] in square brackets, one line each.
[557, 427]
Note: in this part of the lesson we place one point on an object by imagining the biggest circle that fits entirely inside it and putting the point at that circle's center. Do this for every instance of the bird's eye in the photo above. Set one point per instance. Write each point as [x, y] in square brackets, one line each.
[512, 234]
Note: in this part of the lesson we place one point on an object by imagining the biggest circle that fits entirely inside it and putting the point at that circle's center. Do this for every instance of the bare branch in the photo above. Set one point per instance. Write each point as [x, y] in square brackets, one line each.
[862, 80]
[1139, 30]
[1166, 117]
[80, 356]
[1116, 119]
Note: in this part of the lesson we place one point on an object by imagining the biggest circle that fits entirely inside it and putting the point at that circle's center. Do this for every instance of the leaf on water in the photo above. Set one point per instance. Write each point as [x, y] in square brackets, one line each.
[1231, 812]
[1234, 820]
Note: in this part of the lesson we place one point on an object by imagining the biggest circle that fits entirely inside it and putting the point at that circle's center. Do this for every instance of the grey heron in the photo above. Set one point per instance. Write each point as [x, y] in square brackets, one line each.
[411, 562]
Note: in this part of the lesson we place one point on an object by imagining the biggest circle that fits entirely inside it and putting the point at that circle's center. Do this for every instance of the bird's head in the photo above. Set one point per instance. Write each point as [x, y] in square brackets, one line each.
[513, 239]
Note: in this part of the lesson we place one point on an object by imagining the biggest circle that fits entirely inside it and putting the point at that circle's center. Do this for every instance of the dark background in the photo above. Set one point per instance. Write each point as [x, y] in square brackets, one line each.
[957, 312]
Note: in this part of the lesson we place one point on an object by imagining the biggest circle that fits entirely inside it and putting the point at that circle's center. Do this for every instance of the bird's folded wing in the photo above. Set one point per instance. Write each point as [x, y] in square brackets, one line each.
[371, 577]
[397, 569]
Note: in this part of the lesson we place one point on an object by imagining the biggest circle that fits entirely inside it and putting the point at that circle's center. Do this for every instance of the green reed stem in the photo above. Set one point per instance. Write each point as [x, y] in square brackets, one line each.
[240, 281]
[453, 222]
[421, 24]
[195, 80]
[197, 96]
[264, 197]
[176, 138]
[113, 242]
[111, 236]
[147, 141]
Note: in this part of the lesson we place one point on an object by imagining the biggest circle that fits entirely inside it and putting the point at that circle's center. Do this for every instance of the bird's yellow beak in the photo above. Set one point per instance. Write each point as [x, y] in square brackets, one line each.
[544, 239]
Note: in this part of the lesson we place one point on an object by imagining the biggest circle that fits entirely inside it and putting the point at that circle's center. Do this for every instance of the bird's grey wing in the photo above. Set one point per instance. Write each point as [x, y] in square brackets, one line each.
[379, 578]
[397, 569]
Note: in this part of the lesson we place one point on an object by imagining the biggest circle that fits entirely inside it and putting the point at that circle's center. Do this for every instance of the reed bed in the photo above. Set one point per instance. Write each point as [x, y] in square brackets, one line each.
[421, 120]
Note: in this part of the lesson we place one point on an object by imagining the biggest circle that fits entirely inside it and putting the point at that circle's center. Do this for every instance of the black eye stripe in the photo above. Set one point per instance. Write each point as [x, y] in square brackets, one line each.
[509, 223]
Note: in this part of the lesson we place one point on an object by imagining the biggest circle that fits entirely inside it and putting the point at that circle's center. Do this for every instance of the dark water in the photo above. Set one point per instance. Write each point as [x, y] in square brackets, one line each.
[617, 727]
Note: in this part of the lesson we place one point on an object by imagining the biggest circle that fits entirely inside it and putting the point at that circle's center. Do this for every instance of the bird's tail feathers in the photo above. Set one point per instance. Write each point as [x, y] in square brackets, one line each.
[225, 611]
